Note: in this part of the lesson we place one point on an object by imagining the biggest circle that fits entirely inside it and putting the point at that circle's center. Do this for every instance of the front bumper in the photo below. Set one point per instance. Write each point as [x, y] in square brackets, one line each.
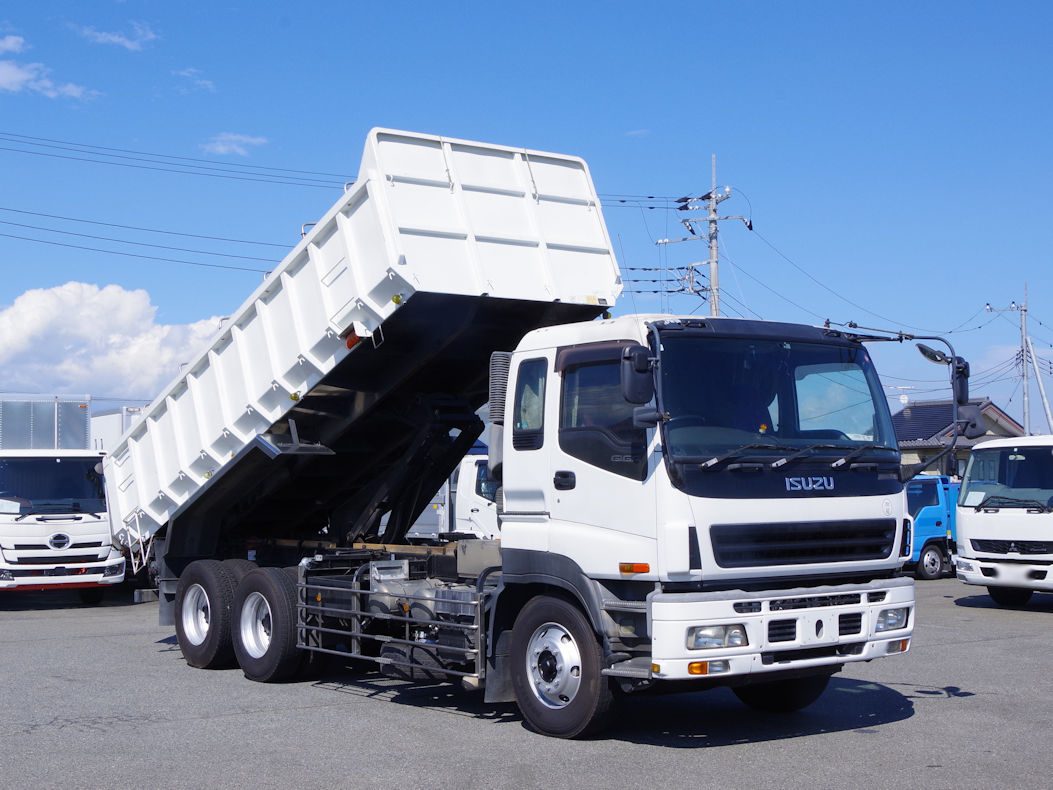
[796, 629]
[987, 572]
[54, 577]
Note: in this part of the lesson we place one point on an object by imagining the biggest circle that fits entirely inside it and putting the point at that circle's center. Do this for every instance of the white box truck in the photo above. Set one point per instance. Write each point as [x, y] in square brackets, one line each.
[682, 502]
[54, 529]
[1004, 536]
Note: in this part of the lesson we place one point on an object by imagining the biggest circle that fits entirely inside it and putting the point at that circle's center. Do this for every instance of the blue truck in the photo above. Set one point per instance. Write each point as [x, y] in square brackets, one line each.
[932, 500]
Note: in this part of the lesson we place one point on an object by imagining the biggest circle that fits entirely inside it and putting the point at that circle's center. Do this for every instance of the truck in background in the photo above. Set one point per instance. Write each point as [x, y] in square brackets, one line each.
[932, 501]
[54, 527]
[464, 507]
[682, 502]
[1005, 519]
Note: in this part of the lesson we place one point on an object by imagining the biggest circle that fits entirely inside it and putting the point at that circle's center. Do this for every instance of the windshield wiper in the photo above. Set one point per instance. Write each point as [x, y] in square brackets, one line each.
[857, 452]
[53, 507]
[801, 453]
[1000, 499]
[739, 450]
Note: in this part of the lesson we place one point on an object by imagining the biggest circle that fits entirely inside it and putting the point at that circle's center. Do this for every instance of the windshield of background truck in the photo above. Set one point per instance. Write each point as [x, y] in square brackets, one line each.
[1009, 477]
[50, 485]
[724, 394]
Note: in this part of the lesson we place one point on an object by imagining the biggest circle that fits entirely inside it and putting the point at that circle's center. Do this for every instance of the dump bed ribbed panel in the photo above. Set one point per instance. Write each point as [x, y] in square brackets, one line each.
[426, 215]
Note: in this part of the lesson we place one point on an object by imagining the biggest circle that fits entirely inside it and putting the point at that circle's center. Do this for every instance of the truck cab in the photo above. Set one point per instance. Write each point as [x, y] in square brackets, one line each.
[1005, 519]
[931, 500]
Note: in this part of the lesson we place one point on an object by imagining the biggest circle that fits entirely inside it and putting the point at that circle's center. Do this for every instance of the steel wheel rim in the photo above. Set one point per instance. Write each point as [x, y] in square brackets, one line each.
[196, 614]
[930, 561]
[255, 626]
[553, 665]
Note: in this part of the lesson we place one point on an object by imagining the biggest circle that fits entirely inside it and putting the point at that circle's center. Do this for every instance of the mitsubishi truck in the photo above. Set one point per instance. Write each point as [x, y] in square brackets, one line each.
[682, 503]
[54, 529]
[932, 500]
[1005, 519]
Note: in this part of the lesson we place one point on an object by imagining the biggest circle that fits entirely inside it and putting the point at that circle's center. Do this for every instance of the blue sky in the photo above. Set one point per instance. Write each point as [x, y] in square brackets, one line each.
[895, 158]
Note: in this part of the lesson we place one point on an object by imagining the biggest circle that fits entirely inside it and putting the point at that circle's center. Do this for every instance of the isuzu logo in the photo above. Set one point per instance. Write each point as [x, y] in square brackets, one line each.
[809, 484]
[58, 541]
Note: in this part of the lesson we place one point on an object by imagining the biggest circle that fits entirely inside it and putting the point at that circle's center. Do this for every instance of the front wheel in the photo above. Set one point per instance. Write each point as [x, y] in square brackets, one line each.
[556, 670]
[783, 696]
[930, 563]
[1009, 596]
[264, 625]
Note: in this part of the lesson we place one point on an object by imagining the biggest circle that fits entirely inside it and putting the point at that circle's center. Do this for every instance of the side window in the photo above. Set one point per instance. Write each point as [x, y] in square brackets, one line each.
[596, 422]
[528, 415]
[921, 494]
[484, 487]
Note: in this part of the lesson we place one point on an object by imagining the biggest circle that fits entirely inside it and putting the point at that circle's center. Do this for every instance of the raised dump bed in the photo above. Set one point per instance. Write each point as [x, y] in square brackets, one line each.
[345, 385]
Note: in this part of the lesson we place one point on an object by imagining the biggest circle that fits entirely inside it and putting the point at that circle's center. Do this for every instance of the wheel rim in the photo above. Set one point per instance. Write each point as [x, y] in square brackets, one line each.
[553, 665]
[196, 614]
[931, 561]
[255, 626]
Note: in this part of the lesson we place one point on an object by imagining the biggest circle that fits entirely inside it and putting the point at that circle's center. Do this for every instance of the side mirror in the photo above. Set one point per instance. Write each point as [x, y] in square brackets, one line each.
[637, 378]
[960, 381]
[972, 421]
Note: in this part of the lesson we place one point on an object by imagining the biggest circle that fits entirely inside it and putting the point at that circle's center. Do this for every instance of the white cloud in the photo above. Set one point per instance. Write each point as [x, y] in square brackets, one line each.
[12, 44]
[638, 133]
[198, 82]
[79, 337]
[228, 143]
[33, 77]
[142, 35]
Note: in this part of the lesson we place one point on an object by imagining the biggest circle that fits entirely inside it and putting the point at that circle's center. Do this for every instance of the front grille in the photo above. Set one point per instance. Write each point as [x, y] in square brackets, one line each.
[782, 630]
[1011, 546]
[847, 599]
[54, 559]
[849, 623]
[802, 542]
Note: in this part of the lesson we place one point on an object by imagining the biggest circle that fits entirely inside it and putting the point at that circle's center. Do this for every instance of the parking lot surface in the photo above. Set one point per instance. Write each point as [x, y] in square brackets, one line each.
[101, 697]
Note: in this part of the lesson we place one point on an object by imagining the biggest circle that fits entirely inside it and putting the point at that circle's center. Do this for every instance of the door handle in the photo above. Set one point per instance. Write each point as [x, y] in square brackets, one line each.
[564, 481]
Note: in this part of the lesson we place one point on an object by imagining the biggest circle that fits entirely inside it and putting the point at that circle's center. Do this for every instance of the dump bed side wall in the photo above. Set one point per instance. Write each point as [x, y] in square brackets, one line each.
[427, 214]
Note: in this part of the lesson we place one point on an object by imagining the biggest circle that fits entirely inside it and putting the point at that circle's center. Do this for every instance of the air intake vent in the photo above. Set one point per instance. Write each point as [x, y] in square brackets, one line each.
[782, 630]
[802, 542]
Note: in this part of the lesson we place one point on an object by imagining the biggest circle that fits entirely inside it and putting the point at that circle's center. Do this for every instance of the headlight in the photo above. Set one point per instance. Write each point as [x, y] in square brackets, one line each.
[114, 570]
[965, 566]
[891, 619]
[708, 637]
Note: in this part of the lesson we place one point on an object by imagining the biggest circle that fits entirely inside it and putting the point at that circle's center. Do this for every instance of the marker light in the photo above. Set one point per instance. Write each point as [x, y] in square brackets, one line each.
[899, 646]
[634, 567]
[352, 340]
[707, 667]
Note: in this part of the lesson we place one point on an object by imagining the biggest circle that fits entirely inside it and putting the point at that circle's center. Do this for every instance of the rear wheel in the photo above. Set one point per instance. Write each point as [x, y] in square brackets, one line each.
[265, 625]
[783, 696]
[202, 604]
[1009, 596]
[556, 670]
[930, 563]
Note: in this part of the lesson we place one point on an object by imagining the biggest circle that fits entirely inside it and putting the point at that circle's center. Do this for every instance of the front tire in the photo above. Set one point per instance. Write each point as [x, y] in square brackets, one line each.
[930, 563]
[264, 618]
[783, 696]
[556, 670]
[202, 604]
[1009, 596]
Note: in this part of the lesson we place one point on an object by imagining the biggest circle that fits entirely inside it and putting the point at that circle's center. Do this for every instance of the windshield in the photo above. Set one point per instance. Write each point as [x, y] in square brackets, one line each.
[1009, 477]
[739, 395]
[50, 485]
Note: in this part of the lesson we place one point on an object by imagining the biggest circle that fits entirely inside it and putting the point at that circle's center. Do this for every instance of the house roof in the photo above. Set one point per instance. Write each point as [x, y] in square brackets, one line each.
[927, 424]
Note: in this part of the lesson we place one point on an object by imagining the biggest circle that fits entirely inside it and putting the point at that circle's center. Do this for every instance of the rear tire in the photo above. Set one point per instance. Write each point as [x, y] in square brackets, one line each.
[1009, 596]
[264, 625]
[556, 670]
[239, 569]
[202, 607]
[783, 696]
[930, 563]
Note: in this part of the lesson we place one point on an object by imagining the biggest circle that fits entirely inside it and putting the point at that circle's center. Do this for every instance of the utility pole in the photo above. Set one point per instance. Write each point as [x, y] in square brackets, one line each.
[1027, 354]
[710, 200]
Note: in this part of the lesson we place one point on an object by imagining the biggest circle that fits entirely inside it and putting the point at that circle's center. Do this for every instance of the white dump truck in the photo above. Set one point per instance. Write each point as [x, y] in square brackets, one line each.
[682, 502]
[1005, 519]
[54, 529]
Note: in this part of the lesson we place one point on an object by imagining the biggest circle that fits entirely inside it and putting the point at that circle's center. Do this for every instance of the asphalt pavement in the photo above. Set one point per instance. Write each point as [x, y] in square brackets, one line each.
[100, 697]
